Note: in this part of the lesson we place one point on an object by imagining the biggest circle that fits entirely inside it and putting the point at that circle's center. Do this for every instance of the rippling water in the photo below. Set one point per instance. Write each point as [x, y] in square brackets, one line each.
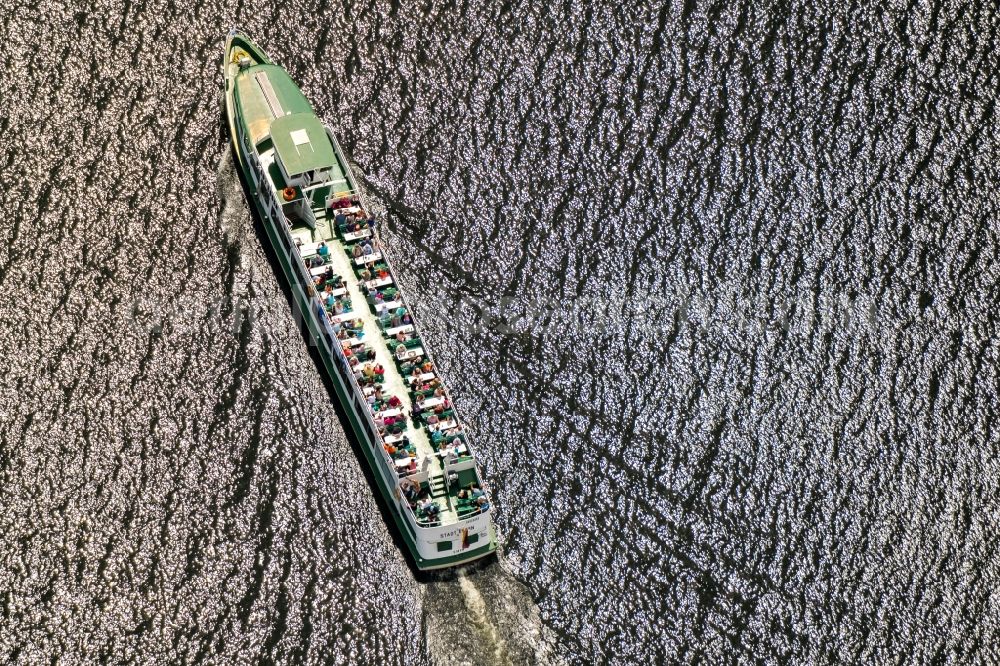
[715, 285]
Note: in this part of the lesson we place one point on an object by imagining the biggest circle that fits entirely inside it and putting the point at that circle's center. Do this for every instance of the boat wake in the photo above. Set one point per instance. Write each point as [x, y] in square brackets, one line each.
[232, 209]
[483, 615]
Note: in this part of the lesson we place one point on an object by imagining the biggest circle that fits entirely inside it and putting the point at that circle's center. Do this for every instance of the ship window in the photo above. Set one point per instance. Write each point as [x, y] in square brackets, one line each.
[443, 546]
[473, 538]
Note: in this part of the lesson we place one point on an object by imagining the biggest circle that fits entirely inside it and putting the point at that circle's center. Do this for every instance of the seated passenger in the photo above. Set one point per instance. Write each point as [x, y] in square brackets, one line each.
[483, 503]
[476, 491]
[401, 352]
[323, 251]
[356, 252]
[394, 402]
[367, 248]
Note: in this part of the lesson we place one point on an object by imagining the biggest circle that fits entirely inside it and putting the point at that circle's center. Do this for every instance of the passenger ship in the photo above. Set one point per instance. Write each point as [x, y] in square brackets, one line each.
[329, 248]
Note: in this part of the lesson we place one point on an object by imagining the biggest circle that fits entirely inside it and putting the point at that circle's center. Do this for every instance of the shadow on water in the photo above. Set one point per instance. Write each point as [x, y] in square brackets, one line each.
[475, 614]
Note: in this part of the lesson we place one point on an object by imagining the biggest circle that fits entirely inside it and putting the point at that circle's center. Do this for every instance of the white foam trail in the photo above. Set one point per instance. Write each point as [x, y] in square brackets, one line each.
[233, 209]
[477, 605]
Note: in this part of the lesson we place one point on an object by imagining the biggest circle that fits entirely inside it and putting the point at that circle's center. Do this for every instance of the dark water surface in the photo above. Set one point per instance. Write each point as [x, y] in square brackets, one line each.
[715, 284]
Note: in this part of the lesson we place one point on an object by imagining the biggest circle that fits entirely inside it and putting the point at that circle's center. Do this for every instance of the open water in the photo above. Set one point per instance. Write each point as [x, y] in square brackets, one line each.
[714, 283]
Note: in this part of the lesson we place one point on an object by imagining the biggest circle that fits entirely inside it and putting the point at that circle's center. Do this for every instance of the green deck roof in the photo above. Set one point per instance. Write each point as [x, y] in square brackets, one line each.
[301, 143]
[264, 92]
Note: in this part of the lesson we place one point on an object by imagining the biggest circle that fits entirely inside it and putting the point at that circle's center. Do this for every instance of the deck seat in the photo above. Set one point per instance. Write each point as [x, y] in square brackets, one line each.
[444, 415]
[466, 477]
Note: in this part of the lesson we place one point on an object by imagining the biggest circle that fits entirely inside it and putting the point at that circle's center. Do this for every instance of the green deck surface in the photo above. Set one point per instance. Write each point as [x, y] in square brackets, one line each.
[252, 102]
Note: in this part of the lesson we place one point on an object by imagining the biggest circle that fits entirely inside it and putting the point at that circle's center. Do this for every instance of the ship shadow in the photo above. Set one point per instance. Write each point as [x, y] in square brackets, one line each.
[356, 444]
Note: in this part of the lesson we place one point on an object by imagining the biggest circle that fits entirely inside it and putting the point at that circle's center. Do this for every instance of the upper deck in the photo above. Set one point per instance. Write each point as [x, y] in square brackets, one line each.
[420, 441]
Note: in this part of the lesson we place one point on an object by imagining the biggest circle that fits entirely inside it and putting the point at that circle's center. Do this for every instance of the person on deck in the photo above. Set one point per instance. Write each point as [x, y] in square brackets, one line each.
[357, 251]
[323, 251]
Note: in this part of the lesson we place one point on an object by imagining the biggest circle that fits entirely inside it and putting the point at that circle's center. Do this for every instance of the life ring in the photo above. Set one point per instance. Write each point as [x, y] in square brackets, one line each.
[288, 193]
